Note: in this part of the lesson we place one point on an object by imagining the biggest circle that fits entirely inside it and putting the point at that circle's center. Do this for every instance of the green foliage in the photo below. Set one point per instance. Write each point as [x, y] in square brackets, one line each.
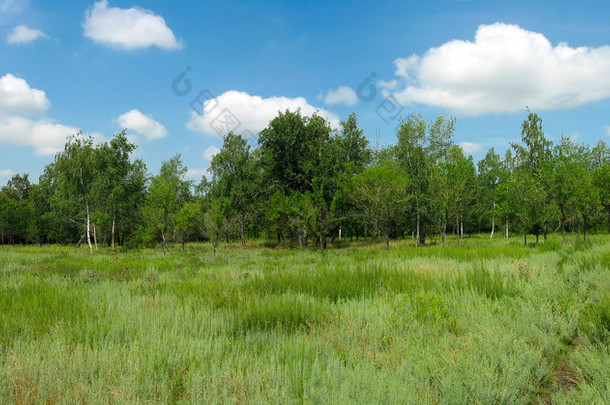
[307, 183]
[167, 193]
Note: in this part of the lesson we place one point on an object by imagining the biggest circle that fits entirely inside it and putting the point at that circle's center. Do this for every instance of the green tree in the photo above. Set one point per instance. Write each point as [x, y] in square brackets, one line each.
[167, 194]
[120, 184]
[380, 195]
[75, 171]
[489, 177]
[601, 179]
[236, 176]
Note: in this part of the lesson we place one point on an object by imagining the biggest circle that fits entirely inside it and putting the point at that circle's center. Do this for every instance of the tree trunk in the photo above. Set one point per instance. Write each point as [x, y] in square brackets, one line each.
[387, 241]
[424, 234]
[493, 222]
[112, 231]
[563, 231]
[95, 236]
[163, 242]
[525, 239]
[241, 231]
[417, 235]
[584, 228]
[339, 233]
[80, 241]
[322, 239]
[457, 227]
[89, 230]
[462, 229]
[507, 229]
[374, 234]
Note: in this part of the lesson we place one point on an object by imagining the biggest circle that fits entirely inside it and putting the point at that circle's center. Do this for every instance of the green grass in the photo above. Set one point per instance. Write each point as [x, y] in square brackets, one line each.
[482, 323]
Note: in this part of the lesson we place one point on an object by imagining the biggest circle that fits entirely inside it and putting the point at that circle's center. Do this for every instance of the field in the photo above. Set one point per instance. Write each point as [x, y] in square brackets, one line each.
[488, 322]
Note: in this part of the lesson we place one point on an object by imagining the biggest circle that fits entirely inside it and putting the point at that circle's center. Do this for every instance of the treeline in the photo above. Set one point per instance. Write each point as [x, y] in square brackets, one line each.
[306, 183]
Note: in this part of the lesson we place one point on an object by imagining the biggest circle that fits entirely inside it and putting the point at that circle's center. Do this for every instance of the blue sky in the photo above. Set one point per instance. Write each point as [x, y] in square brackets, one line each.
[101, 66]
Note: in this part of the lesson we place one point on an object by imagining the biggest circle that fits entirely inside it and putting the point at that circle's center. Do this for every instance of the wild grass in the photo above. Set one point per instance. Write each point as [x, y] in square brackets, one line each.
[485, 322]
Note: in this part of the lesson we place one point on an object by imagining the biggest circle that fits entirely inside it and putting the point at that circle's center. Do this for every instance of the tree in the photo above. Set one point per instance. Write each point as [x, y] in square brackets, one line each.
[188, 221]
[536, 149]
[167, 193]
[236, 177]
[411, 154]
[420, 149]
[489, 176]
[302, 160]
[601, 179]
[587, 200]
[460, 185]
[120, 183]
[526, 201]
[380, 194]
[75, 171]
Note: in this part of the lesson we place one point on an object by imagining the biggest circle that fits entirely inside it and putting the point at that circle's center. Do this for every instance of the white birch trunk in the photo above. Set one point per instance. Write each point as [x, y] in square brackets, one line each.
[493, 222]
[89, 229]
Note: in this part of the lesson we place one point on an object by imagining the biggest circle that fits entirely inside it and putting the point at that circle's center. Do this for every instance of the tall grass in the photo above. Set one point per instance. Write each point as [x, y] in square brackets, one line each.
[487, 322]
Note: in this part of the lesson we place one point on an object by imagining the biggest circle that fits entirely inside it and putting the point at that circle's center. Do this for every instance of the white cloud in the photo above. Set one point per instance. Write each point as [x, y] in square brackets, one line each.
[608, 130]
[470, 147]
[12, 7]
[16, 96]
[22, 120]
[6, 174]
[505, 69]
[128, 29]
[210, 152]
[142, 124]
[22, 34]
[46, 136]
[196, 174]
[388, 85]
[341, 95]
[239, 112]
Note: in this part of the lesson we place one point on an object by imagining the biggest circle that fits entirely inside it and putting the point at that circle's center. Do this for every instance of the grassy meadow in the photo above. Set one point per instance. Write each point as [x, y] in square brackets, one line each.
[488, 322]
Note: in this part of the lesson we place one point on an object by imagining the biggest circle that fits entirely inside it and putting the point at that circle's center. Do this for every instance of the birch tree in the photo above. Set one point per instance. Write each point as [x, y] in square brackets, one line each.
[75, 171]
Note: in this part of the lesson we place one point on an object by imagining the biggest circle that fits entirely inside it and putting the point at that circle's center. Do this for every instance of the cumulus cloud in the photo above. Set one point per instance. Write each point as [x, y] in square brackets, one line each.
[470, 147]
[504, 69]
[242, 113]
[46, 136]
[22, 120]
[128, 29]
[210, 152]
[142, 124]
[342, 95]
[23, 34]
[16, 96]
